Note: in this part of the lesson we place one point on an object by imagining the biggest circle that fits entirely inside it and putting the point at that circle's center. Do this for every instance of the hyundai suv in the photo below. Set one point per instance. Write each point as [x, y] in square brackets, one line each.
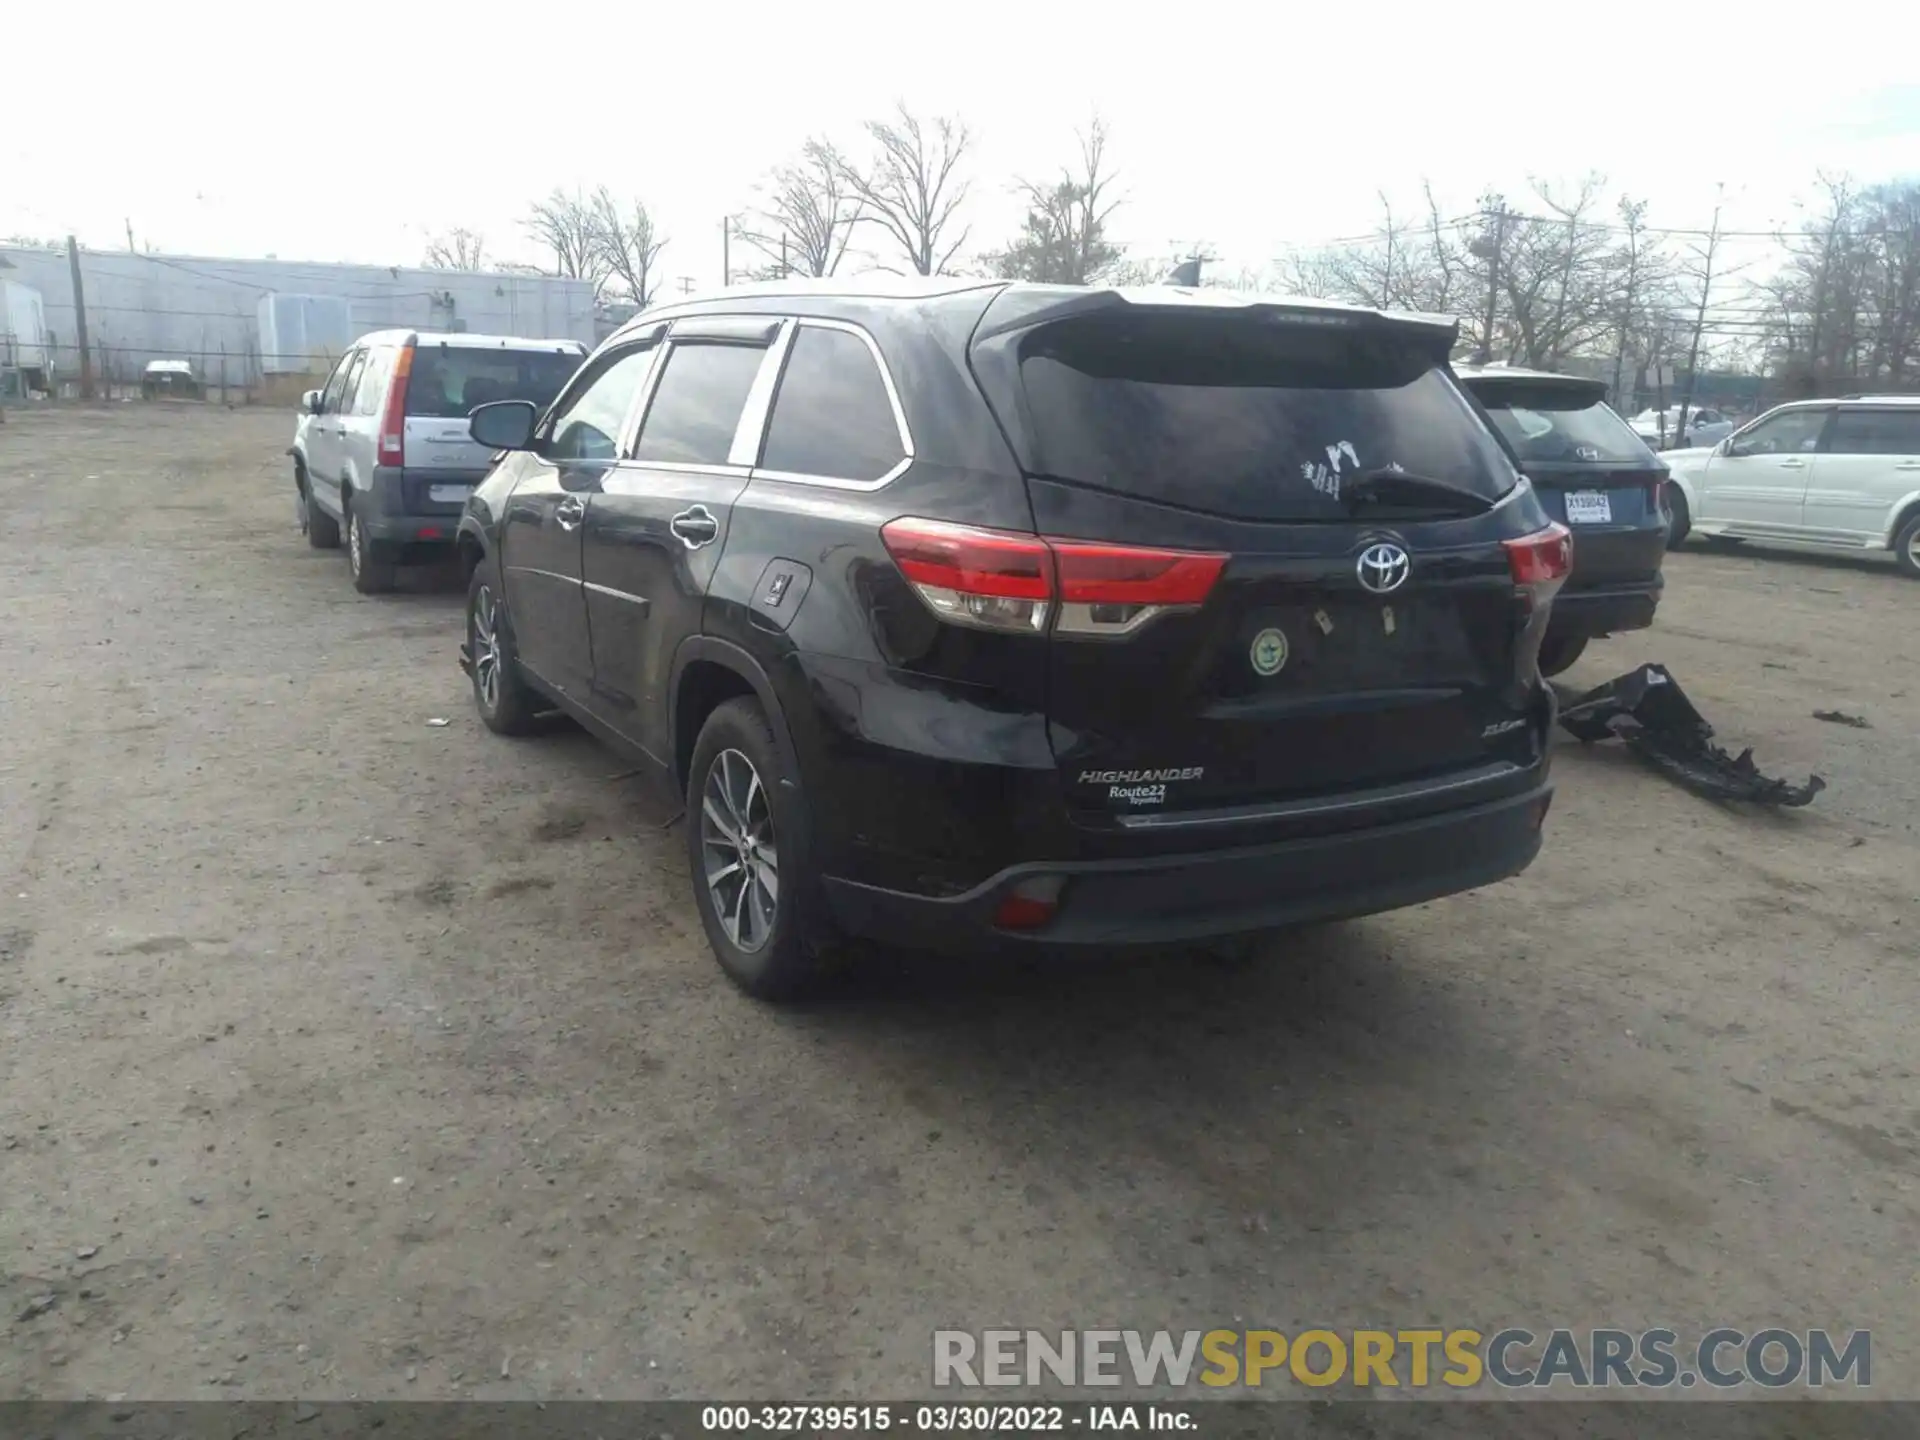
[382, 451]
[1595, 474]
[977, 614]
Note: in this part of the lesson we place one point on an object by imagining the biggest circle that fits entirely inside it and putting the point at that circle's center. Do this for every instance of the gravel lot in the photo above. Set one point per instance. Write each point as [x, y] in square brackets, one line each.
[344, 1054]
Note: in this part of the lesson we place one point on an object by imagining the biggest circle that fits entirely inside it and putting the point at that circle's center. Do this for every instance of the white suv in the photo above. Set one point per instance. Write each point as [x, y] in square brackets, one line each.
[1844, 474]
[382, 455]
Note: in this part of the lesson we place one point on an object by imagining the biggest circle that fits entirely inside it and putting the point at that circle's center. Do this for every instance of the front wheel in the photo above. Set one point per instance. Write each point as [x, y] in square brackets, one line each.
[506, 702]
[1559, 652]
[1681, 519]
[748, 853]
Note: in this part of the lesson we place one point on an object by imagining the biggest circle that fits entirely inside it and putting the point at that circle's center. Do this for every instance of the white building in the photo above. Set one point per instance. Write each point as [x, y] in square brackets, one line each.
[208, 311]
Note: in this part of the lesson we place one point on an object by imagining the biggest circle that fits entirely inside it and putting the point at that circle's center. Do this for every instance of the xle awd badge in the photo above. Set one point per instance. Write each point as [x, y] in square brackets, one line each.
[1269, 653]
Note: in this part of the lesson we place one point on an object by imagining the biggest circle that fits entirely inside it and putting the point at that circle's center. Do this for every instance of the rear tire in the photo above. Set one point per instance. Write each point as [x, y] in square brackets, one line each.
[1680, 520]
[372, 575]
[1559, 652]
[321, 529]
[1906, 546]
[754, 897]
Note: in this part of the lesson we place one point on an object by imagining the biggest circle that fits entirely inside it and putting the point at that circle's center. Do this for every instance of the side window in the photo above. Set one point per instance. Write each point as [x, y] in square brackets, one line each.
[1876, 432]
[696, 406]
[587, 424]
[346, 370]
[1793, 432]
[371, 389]
[832, 416]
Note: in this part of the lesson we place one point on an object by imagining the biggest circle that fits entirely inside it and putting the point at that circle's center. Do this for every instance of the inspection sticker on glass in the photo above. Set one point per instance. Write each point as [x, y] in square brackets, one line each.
[1589, 507]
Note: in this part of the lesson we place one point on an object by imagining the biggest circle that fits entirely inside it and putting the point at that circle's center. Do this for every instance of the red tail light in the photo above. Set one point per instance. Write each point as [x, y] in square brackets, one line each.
[1542, 558]
[998, 580]
[393, 419]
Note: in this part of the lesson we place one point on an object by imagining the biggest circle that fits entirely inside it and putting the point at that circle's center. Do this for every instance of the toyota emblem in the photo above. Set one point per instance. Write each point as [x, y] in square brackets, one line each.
[1382, 568]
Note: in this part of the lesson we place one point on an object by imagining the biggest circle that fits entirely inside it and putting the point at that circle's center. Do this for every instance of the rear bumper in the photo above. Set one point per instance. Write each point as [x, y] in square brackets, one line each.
[1114, 904]
[397, 507]
[1597, 610]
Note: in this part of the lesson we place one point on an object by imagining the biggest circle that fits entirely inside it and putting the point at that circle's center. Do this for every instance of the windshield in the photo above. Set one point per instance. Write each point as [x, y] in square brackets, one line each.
[1244, 417]
[448, 382]
[1568, 429]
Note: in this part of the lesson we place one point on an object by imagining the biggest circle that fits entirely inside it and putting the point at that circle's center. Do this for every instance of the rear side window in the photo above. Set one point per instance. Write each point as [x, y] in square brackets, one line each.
[833, 416]
[448, 381]
[1876, 432]
[1243, 417]
[1556, 427]
[696, 406]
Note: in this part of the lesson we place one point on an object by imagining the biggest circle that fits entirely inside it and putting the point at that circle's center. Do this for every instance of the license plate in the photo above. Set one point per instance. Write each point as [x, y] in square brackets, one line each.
[1589, 507]
[447, 493]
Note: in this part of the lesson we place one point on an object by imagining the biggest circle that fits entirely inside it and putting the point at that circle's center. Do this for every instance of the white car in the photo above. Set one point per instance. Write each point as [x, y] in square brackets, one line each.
[1843, 474]
[1705, 426]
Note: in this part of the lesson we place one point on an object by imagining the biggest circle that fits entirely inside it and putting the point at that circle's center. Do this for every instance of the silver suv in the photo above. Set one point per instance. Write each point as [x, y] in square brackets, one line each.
[382, 453]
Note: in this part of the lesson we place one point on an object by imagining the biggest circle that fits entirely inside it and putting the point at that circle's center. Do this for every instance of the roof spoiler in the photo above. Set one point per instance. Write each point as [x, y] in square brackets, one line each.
[1023, 309]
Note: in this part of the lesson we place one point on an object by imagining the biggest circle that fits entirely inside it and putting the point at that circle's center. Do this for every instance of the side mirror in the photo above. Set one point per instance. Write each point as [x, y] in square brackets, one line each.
[504, 424]
[1733, 448]
[310, 402]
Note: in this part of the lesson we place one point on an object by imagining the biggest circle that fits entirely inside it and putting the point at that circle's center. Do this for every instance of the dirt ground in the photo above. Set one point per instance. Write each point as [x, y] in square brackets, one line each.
[342, 1054]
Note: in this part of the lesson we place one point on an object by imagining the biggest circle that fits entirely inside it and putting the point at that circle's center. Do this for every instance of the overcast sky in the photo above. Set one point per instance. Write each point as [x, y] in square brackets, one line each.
[353, 131]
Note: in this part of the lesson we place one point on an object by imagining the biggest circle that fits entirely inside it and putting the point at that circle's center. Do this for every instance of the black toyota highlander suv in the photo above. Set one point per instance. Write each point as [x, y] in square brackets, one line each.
[972, 614]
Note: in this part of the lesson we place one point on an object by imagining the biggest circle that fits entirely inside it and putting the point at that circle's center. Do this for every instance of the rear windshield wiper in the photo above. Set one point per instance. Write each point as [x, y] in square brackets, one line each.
[1404, 488]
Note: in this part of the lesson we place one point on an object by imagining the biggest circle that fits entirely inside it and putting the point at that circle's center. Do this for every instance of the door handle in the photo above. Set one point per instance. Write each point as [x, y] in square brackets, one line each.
[1908, 465]
[695, 527]
[568, 513]
[1793, 464]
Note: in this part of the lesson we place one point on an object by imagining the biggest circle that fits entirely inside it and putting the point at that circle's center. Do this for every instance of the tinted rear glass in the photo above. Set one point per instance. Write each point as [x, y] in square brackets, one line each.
[449, 382]
[1244, 417]
[1546, 426]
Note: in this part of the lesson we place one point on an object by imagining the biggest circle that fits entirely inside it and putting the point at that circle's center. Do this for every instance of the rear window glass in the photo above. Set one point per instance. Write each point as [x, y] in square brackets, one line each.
[1562, 428]
[832, 416]
[449, 382]
[1244, 417]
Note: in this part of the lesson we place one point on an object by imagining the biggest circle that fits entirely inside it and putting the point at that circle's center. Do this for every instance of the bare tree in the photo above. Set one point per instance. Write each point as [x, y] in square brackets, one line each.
[458, 249]
[1063, 238]
[912, 186]
[627, 245]
[1641, 273]
[1411, 265]
[808, 214]
[566, 225]
[1699, 272]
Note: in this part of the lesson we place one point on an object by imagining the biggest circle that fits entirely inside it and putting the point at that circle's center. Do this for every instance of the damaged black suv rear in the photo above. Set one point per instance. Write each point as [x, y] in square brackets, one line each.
[987, 614]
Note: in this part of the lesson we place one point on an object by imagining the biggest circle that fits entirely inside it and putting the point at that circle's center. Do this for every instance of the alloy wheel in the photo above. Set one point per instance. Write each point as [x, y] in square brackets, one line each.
[486, 648]
[741, 861]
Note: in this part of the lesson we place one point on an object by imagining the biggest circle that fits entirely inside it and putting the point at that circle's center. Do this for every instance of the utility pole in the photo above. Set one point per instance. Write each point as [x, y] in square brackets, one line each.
[726, 256]
[130, 244]
[80, 319]
[784, 272]
[686, 284]
[1490, 250]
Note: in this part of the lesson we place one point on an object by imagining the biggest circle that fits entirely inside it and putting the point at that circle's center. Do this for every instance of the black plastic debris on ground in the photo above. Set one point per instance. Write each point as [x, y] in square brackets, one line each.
[1649, 712]
[1840, 717]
